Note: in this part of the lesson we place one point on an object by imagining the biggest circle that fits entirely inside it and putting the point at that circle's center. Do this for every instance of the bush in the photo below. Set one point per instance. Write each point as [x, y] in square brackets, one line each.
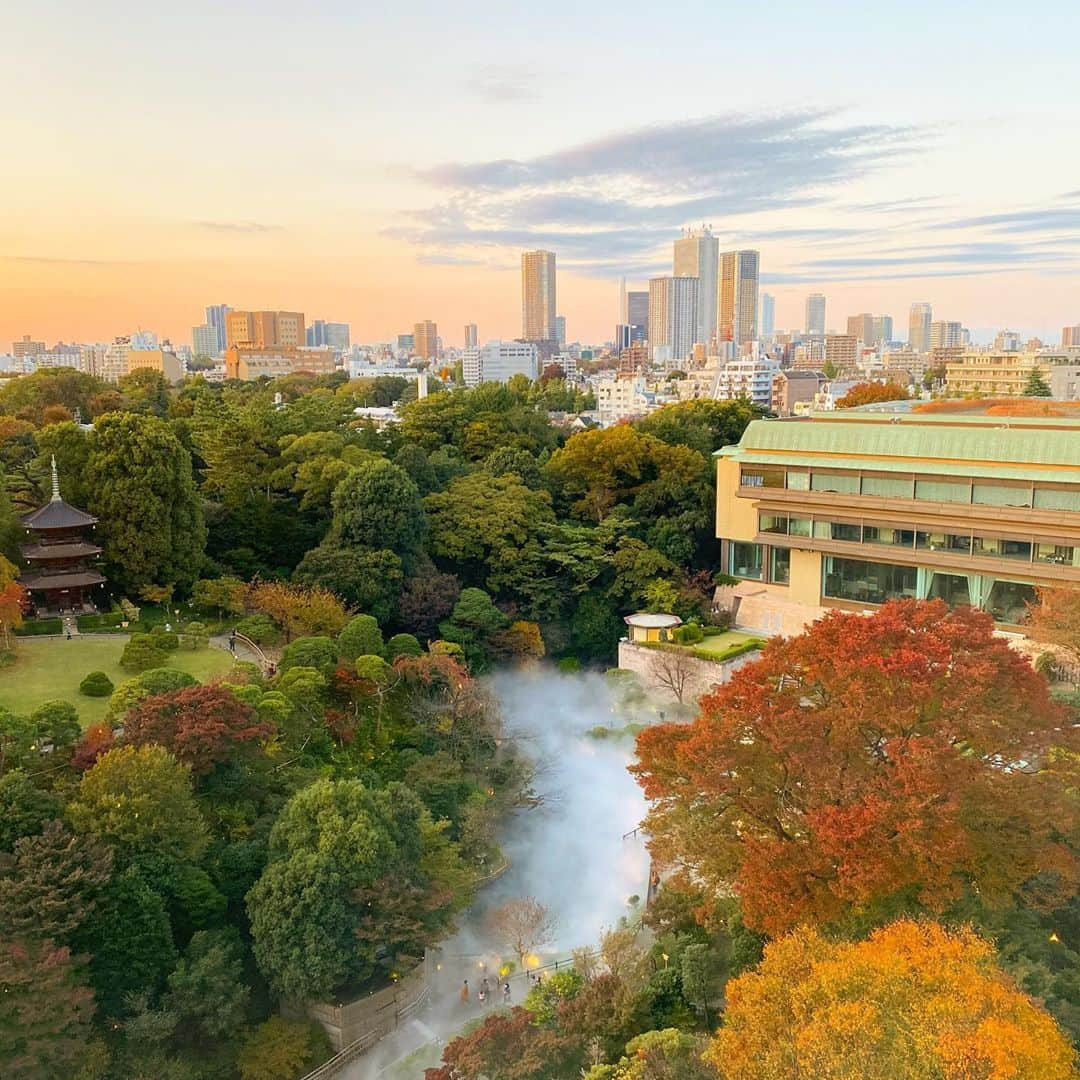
[281, 1049]
[690, 634]
[107, 620]
[166, 639]
[260, 629]
[195, 636]
[569, 664]
[96, 684]
[313, 652]
[38, 627]
[7, 658]
[165, 680]
[403, 645]
[361, 637]
[142, 652]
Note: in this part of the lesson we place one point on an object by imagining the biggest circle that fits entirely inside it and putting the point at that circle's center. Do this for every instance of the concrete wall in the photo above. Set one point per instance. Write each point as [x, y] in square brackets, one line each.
[701, 677]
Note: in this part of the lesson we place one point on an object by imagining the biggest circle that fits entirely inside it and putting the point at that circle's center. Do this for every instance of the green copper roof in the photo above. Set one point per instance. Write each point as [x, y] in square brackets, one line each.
[1010, 447]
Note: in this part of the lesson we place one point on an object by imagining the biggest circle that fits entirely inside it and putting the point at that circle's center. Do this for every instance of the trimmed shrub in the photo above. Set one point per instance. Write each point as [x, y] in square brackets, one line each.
[142, 652]
[39, 627]
[260, 629]
[403, 645]
[165, 680]
[166, 639]
[96, 684]
[569, 664]
[361, 637]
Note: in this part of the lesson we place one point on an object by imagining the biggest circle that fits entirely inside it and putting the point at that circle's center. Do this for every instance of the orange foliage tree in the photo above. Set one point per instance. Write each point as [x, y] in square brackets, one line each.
[910, 1001]
[297, 609]
[1056, 619]
[12, 599]
[907, 755]
[866, 393]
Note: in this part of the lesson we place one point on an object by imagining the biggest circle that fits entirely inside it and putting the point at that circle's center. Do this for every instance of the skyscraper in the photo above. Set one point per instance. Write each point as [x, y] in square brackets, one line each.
[738, 297]
[815, 314]
[215, 317]
[883, 329]
[945, 335]
[426, 340]
[470, 335]
[637, 314]
[538, 295]
[1070, 337]
[673, 318]
[861, 327]
[697, 255]
[204, 340]
[768, 315]
[919, 320]
[263, 329]
[560, 329]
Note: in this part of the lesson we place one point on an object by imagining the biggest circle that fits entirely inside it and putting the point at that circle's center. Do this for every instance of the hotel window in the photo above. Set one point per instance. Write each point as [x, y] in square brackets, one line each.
[1055, 554]
[762, 477]
[842, 483]
[943, 490]
[771, 523]
[939, 541]
[798, 527]
[837, 530]
[779, 566]
[868, 582]
[798, 481]
[890, 487]
[745, 560]
[1008, 601]
[993, 548]
[1000, 495]
[954, 589]
[879, 534]
[1057, 498]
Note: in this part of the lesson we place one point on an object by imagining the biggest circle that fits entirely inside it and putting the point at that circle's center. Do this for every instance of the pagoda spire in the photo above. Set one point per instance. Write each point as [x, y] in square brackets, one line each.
[55, 481]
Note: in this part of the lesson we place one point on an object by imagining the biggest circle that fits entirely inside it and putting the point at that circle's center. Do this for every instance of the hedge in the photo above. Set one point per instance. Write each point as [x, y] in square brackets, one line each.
[36, 627]
[99, 621]
[705, 654]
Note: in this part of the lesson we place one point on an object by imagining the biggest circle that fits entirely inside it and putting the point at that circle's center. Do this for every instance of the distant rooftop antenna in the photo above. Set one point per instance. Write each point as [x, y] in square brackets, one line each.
[55, 482]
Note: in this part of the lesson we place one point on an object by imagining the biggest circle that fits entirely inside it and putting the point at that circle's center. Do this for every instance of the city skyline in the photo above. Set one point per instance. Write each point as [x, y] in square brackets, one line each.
[876, 192]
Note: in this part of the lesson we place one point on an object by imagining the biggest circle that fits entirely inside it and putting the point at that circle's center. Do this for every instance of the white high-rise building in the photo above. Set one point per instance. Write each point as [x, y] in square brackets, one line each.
[498, 361]
[697, 254]
[204, 340]
[768, 315]
[815, 314]
[946, 335]
[919, 319]
[538, 295]
[747, 377]
[673, 320]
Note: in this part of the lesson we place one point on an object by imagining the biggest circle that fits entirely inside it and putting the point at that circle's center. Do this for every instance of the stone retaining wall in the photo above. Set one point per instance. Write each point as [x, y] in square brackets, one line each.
[700, 675]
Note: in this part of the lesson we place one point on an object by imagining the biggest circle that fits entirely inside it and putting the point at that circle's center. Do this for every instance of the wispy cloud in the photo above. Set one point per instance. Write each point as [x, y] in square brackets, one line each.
[238, 226]
[618, 199]
[50, 260]
[502, 84]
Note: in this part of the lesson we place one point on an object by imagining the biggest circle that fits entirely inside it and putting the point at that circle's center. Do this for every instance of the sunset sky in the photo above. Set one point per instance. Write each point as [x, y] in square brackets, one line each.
[384, 166]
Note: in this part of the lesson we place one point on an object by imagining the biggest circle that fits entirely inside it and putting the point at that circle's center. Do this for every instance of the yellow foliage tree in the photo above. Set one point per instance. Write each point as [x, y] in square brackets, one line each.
[912, 1001]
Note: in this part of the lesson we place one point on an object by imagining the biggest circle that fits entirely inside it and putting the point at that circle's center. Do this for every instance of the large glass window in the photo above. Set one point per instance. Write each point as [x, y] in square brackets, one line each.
[745, 560]
[771, 523]
[879, 534]
[779, 566]
[942, 490]
[957, 543]
[992, 548]
[1008, 601]
[798, 481]
[952, 588]
[892, 487]
[1057, 498]
[1055, 554]
[798, 527]
[1000, 495]
[868, 582]
[841, 530]
[845, 483]
[762, 477]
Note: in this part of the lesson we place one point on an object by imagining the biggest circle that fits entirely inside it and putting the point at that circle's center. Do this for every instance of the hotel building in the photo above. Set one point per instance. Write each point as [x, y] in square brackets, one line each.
[849, 509]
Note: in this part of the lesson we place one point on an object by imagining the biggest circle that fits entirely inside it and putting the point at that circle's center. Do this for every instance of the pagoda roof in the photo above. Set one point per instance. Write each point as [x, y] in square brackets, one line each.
[57, 514]
[79, 549]
[61, 581]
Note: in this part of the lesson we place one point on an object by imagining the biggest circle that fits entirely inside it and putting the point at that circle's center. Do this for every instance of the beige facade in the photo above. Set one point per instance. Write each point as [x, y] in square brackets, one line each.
[538, 295]
[997, 374]
[426, 340]
[264, 329]
[277, 361]
[160, 360]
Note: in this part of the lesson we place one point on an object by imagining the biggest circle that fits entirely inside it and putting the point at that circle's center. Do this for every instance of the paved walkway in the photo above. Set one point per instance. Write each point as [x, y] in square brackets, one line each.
[242, 652]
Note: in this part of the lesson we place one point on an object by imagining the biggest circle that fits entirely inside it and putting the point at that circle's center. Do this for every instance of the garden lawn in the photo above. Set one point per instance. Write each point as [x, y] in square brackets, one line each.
[718, 643]
[49, 668]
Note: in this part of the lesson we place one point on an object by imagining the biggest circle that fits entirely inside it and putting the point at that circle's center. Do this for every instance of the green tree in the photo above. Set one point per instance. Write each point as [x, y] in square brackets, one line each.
[141, 652]
[362, 637]
[703, 424]
[207, 990]
[129, 941]
[595, 628]
[139, 799]
[150, 518]
[403, 645]
[51, 884]
[310, 652]
[24, 808]
[1036, 385]
[369, 580]
[281, 1049]
[473, 623]
[355, 878]
[377, 506]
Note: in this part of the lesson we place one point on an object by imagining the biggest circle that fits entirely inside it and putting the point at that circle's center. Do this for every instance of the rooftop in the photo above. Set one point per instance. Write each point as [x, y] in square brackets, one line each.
[649, 621]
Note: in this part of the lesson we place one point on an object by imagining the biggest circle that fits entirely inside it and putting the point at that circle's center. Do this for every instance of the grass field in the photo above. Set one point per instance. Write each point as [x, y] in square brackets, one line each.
[50, 668]
[719, 642]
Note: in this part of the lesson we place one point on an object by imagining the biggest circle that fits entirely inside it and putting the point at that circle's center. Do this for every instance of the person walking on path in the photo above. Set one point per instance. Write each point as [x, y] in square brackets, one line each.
[465, 992]
[506, 993]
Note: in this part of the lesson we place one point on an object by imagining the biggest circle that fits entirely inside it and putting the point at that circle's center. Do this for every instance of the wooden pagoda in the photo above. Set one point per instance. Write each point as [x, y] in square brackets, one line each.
[60, 573]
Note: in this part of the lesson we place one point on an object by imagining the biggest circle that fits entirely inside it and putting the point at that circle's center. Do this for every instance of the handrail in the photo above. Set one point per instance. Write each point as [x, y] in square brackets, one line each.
[333, 1065]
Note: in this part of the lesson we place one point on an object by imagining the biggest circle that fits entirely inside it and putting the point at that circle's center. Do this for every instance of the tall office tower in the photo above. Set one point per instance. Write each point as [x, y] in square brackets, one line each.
[1070, 337]
[946, 335]
[919, 320]
[337, 335]
[861, 327]
[815, 314]
[538, 295]
[768, 315]
[215, 317]
[27, 348]
[621, 315]
[316, 334]
[738, 297]
[1007, 341]
[673, 319]
[204, 340]
[697, 254]
[882, 329]
[560, 329]
[426, 340]
[144, 339]
[637, 314]
[470, 335]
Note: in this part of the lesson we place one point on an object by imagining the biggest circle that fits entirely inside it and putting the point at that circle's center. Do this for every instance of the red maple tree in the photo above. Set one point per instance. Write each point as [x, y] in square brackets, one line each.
[905, 753]
[199, 725]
